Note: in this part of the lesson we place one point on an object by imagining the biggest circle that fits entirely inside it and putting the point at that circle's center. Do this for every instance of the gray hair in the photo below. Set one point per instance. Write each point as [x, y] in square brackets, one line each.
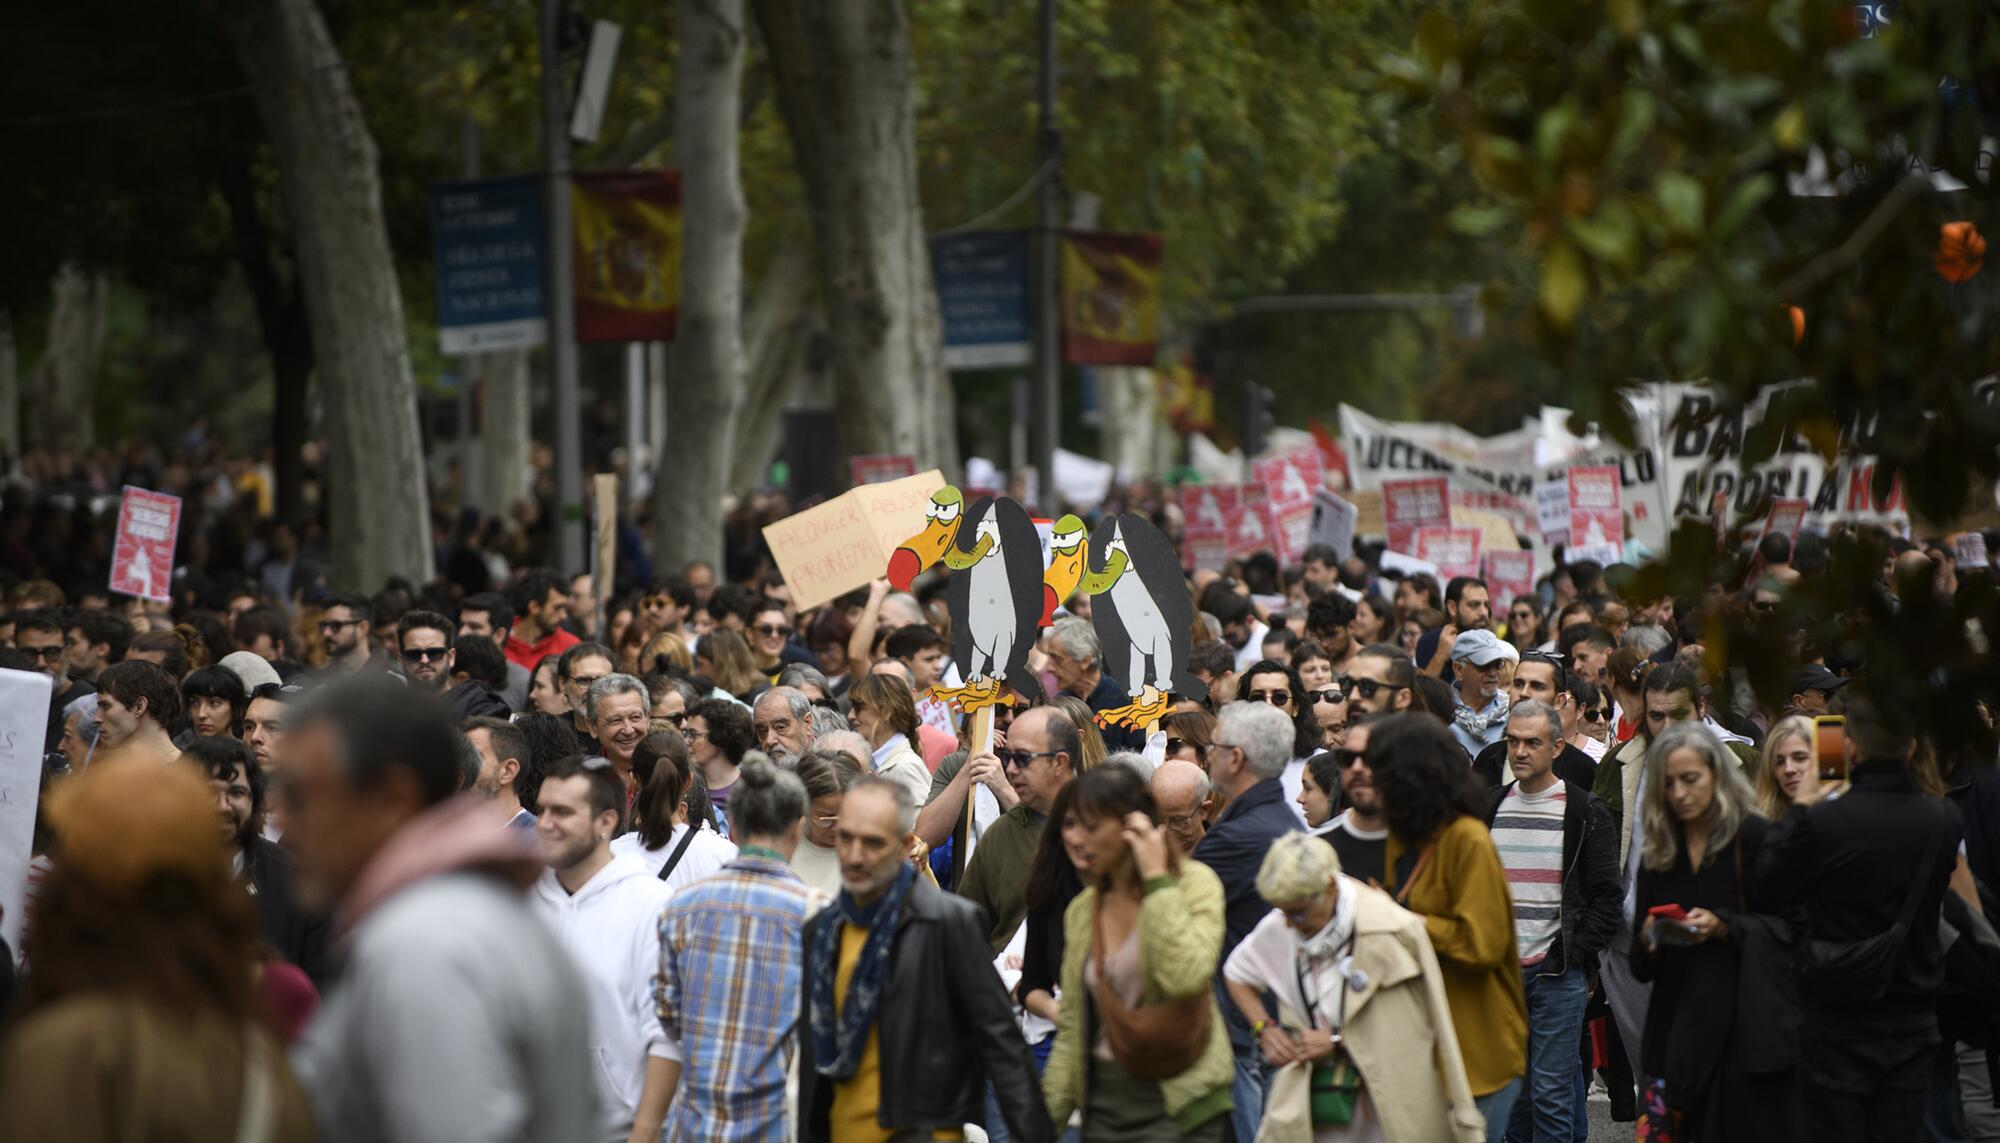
[1734, 799]
[794, 699]
[804, 675]
[1296, 868]
[1137, 763]
[848, 742]
[1077, 638]
[906, 805]
[1262, 731]
[1646, 639]
[614, 684]
[767, 800]
[1536, 708]
[825, 720]
[85, 710]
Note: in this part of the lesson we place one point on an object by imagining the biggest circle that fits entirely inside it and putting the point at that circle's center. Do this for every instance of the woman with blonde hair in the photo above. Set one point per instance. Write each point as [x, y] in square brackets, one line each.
[724, 657]
[1788, 767]
[670, 646]
[1079, 712]
[1711, 1060]
[1362, 1013]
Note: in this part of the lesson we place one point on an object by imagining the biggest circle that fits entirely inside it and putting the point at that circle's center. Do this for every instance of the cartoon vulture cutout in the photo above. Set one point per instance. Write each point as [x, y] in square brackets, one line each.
[995, 595]
[1140, 610]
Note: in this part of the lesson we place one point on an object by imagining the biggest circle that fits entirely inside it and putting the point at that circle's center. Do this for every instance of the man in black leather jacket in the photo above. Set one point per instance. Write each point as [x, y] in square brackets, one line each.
[943, 1027]
[1860, 862]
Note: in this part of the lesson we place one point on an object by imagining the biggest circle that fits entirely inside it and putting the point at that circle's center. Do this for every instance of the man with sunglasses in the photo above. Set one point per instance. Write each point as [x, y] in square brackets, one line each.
[345, 624]
[1540, 678]
[427, 645]
[1039, 759]
[40, 636]
[1360, 833]
[1380, 679]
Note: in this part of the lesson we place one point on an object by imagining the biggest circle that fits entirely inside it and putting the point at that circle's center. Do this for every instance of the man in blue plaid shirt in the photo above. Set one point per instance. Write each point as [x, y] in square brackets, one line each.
[730, 965]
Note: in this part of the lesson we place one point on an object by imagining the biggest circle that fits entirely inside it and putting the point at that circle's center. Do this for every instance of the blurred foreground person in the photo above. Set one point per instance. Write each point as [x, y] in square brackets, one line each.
[458, 1016]
[142, 1020]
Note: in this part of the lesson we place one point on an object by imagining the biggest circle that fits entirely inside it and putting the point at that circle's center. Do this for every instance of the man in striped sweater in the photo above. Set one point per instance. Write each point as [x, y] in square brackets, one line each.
[1561, 855]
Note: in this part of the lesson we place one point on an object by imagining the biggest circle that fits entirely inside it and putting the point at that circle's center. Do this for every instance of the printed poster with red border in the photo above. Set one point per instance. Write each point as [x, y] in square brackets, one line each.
[142, 555]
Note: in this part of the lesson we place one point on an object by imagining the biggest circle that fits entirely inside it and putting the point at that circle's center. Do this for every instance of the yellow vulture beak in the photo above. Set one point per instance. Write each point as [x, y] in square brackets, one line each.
[922, 550]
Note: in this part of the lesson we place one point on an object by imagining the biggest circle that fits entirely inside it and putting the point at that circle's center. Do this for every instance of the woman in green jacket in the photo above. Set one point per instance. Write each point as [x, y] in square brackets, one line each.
[1160, 920]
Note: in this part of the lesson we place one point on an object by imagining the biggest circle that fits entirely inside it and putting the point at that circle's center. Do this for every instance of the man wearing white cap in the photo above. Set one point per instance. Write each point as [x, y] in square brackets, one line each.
[1481, 714]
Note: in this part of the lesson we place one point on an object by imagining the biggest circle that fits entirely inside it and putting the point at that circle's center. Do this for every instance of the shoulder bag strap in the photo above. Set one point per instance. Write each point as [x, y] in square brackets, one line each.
[1416, 871]
[680, 850]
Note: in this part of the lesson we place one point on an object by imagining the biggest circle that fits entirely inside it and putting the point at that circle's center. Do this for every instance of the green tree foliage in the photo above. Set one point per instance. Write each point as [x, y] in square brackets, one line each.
[1638, 156]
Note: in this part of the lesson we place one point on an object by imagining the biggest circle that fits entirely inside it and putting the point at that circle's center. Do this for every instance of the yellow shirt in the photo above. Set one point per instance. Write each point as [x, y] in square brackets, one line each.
[856, 1100]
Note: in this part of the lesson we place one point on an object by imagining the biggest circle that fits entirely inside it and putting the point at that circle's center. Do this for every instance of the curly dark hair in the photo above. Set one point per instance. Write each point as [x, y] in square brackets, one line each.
[1305, 727]
[728, 727]
[1421, 775]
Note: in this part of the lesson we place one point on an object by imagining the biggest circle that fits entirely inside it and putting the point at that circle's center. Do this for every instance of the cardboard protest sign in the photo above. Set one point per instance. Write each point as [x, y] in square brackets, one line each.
[1969, 549]
[1143, 617]
[1333, 521]
[1552, 509]
[840, 545]
[24, 722]
[1206, 510]
[1596, 521]
[879, 468]
[1509, 576]
[1455, 551]
[1786, 517]
[1408, 505]
[997, 596]
[142, 555]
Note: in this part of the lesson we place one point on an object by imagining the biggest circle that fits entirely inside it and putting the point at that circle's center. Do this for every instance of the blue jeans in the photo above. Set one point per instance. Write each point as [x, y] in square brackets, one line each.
[1497, 1108]
[1555, 1027]
[1247, 1093]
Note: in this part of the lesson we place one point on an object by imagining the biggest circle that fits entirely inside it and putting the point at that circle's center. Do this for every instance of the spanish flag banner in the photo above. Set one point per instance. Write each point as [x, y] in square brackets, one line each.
[1110, 298]
[628, 254]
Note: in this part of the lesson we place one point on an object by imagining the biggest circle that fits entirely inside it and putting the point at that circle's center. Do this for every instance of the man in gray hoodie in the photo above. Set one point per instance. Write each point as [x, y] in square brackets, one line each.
[457, 1016]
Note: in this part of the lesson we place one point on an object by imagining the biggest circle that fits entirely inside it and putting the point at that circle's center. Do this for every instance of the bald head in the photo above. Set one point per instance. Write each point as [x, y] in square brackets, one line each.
[1182, 792]
[900, 610]
[850, 743]
[1913, 566]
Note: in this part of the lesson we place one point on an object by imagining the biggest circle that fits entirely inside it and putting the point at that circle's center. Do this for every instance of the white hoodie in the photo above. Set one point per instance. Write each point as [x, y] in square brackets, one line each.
[611, 928]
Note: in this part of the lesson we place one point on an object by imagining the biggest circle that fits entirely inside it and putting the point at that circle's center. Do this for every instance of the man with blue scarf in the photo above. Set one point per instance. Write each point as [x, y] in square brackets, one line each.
[906, 1020]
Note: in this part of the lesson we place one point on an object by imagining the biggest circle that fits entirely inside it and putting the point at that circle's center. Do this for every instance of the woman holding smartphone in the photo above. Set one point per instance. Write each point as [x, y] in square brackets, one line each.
[1715, 1054]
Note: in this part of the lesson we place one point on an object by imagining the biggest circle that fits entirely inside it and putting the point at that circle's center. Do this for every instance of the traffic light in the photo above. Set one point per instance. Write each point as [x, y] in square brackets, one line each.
[1260, 416]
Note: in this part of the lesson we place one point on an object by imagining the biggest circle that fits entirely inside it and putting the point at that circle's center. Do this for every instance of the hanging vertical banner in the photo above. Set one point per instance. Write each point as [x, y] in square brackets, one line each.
[486, 245]
[1187, 398]
[982, 285]
[1110, 298]
[1509, 576]
[142, 554]
[628, 254]
[1596, 522]
[1455, 551]
[1411, 504]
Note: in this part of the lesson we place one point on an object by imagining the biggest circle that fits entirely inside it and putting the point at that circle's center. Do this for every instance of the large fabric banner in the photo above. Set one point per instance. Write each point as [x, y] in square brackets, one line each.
[1110, 298]
[628, 255]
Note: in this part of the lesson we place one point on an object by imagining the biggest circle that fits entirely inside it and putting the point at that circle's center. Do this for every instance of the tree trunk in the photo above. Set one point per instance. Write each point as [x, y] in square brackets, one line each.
[281, 317]
[708, 362]
[380, 512]
[10, 396]
[65, 380]
[503, 431]
[846, 85]
[777, 332]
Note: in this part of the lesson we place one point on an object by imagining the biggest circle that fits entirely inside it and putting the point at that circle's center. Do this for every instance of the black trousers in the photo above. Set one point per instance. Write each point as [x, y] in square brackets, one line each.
[1865, 1089]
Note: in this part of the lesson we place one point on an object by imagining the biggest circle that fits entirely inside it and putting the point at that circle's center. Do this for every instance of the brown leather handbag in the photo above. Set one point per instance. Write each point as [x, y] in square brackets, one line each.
[1152, 1041]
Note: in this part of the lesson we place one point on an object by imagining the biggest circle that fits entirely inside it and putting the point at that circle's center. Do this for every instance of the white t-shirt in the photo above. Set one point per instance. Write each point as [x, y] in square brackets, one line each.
[708, 852]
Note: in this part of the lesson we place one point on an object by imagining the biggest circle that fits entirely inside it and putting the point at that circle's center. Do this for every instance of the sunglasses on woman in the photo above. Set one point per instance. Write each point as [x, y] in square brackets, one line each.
[1367, 688]
[1594, 713]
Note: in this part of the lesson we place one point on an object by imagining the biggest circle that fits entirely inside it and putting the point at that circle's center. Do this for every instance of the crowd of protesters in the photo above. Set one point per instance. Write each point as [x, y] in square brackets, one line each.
[480, 859]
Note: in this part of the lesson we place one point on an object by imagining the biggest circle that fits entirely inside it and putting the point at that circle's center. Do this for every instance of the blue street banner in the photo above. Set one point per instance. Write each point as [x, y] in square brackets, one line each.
[487, 243]
[982, 284]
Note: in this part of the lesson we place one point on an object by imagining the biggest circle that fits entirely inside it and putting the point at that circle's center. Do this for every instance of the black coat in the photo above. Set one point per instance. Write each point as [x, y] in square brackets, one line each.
[1719, 1025]
[1591, 894]
[946, 1029]
[293, 933]
[1572, 766]
[1850, 862]
[474, 699]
